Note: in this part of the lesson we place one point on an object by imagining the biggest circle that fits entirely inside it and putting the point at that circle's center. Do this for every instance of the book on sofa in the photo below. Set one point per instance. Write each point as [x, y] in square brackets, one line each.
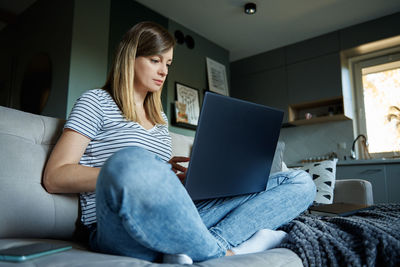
[337, 209]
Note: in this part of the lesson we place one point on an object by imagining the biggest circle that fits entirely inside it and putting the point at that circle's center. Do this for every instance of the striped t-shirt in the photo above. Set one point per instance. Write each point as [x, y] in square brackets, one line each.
[96, 115]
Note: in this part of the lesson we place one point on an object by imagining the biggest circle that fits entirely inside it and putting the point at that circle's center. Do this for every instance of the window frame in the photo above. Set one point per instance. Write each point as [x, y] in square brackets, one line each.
[356, 65]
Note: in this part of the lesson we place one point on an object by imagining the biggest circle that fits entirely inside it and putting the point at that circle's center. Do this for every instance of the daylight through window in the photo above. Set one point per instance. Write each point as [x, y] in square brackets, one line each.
[381, 90]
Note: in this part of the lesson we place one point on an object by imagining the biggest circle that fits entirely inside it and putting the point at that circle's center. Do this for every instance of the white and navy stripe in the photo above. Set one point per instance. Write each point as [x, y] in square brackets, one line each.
[96, 116]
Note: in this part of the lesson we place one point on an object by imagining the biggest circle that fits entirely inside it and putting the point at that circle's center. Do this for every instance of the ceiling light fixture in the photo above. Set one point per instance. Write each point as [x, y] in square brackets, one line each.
[250, 8]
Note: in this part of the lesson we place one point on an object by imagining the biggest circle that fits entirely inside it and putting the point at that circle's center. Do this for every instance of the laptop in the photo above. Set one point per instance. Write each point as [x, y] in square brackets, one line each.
[233, 148]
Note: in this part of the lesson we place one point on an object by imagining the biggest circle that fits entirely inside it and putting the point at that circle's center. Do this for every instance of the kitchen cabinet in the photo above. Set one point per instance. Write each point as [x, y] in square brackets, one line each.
[308, 84]
[314, 79]
[259, 63]
[370, 31]
[375, 174]
[312, 48]
[265, 88]
[261, 79]
[313, 67]
[393, 183]
[384, 176]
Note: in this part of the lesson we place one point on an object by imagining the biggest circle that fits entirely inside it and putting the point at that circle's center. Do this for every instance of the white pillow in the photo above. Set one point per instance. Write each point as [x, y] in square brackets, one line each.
[278, 158]
[324, 176]
[285, 167]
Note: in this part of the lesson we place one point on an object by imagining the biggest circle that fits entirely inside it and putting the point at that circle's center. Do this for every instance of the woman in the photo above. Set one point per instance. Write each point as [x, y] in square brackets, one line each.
[115, 151]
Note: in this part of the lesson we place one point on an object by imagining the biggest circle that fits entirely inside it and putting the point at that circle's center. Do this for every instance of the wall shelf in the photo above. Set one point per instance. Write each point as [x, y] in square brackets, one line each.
[339, 117]
[327, 110]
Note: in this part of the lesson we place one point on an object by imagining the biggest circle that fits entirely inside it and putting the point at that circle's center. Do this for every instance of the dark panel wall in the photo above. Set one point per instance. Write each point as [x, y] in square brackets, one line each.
[261, 80]
[306, 71]
[45, 27]
[370, 31]
[7, 65]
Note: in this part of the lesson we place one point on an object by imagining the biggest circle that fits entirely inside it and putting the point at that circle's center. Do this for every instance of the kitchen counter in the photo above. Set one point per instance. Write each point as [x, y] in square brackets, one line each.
[368, 161]
[351, 162]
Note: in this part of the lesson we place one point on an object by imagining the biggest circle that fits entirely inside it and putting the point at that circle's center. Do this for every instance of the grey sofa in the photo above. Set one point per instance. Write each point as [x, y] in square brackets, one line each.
[28, 213]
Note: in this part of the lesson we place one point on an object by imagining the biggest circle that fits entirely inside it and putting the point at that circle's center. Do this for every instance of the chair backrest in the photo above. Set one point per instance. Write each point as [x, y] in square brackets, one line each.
[26, 209]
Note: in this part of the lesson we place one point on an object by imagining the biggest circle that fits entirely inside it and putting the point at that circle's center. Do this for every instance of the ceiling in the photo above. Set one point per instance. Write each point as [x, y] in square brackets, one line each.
[275, 24]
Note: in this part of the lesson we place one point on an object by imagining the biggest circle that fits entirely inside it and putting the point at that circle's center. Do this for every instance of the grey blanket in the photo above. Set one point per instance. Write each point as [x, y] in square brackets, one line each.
[368, 238]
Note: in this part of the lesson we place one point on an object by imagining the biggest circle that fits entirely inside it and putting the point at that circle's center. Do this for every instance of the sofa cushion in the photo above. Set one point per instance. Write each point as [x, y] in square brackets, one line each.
[181, 144]
[80, 256]
[354, 191]
[26, 209]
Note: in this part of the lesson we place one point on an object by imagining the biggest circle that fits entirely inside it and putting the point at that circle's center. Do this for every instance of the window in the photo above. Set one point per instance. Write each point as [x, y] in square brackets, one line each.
[377, 102]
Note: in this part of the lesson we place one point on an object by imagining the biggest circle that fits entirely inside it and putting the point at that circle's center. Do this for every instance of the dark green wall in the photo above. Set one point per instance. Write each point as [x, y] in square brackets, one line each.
[7, 64]
[45, 27]
[124, 14]
[189, 65]
[89, 50]
[48, 26]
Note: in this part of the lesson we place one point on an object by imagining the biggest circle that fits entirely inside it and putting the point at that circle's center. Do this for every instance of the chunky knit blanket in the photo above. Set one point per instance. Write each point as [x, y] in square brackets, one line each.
[368, 238]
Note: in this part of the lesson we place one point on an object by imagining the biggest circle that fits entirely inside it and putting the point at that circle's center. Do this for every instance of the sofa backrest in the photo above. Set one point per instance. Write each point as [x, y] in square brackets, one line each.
[181, 144]
[26, 209]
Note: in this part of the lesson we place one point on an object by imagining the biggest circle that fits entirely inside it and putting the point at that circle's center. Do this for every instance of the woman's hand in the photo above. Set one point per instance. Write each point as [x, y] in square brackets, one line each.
[177, 168]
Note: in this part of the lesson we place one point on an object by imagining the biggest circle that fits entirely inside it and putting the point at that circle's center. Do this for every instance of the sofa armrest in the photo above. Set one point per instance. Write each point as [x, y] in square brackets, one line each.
[355, 191]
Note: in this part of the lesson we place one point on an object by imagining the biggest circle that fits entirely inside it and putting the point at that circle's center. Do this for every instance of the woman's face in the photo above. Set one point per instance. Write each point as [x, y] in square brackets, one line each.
[151, 71]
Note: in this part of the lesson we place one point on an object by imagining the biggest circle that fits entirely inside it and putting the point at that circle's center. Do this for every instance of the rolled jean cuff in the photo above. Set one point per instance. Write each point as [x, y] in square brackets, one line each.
[222, 243]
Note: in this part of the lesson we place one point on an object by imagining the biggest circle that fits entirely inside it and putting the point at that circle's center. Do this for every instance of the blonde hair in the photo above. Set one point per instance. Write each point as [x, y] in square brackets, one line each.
[144, 39]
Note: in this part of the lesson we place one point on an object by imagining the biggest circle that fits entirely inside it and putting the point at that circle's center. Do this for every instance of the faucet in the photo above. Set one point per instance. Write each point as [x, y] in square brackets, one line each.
[353, 153]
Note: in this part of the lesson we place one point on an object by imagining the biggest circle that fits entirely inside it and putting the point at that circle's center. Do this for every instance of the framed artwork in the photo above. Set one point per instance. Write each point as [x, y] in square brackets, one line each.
[180, 113]
[187, 106]
[217, 81]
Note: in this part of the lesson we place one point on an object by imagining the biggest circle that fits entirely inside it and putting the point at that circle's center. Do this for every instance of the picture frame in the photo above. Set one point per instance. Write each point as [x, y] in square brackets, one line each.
[217, 80]
[186, 106]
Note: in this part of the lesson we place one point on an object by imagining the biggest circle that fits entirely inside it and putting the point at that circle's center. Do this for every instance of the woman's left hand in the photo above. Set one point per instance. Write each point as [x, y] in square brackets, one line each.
[177, 168]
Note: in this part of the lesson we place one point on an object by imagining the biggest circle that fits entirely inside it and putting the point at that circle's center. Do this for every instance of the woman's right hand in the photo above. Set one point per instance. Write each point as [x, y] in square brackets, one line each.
[179, 169]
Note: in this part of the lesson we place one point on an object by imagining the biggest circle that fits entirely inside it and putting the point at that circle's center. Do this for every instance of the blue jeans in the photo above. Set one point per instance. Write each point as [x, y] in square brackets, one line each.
[143, 210]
